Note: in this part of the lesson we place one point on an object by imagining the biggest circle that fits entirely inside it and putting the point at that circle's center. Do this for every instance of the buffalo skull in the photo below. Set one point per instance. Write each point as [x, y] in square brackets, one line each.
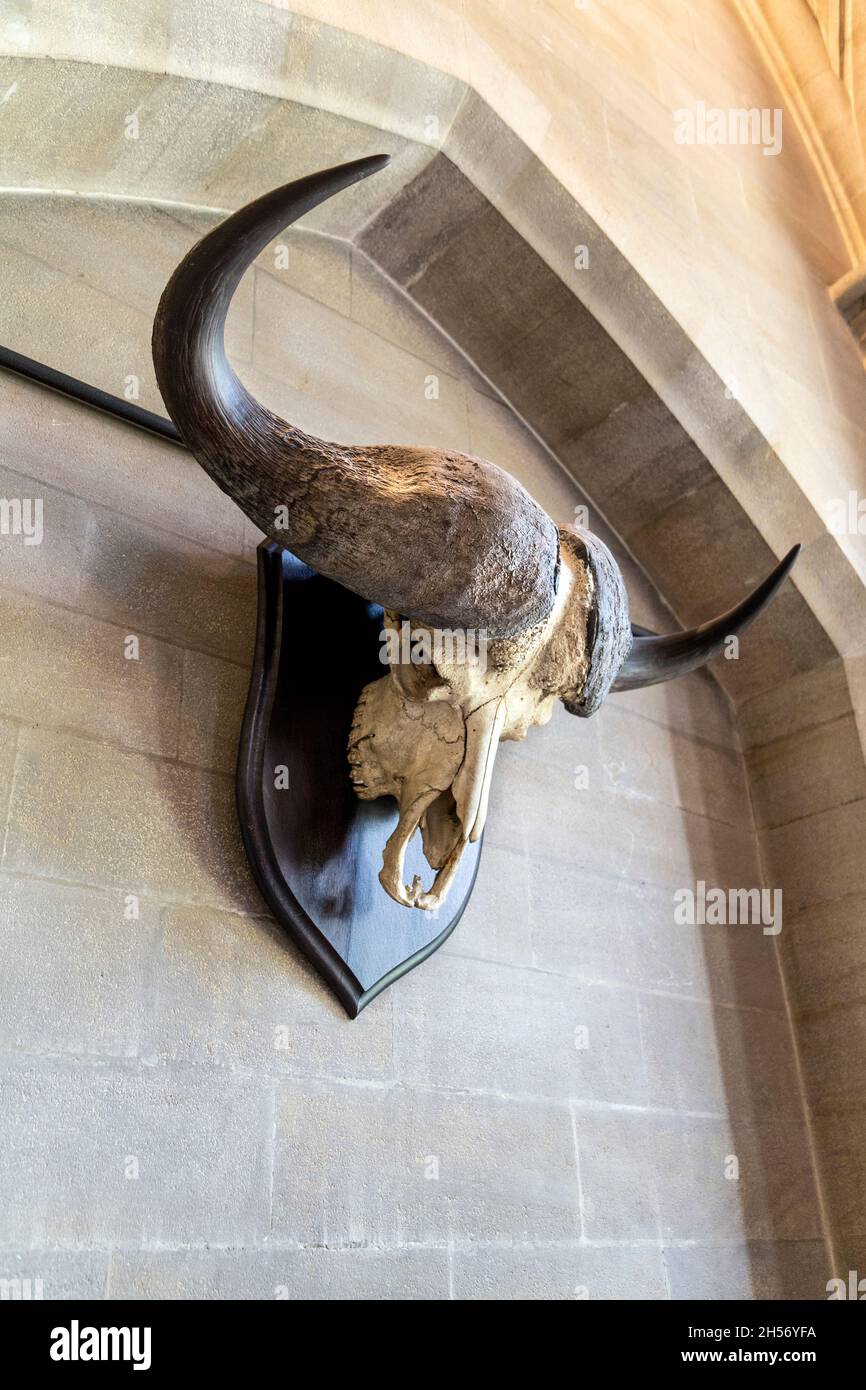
[445, 542]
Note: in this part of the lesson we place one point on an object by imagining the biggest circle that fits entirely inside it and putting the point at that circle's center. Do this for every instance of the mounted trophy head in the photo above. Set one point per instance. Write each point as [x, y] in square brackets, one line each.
[509, 612]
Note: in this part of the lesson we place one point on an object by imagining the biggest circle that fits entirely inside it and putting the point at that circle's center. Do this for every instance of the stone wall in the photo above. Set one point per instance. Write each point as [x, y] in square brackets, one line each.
[458, 1139]
[702, 388]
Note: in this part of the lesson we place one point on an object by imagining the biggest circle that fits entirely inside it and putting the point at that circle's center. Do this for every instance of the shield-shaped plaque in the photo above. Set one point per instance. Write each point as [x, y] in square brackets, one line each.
[316, 849]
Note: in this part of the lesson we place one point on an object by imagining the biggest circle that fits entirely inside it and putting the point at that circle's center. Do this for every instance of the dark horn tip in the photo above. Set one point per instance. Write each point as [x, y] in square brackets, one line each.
[653, 659]
[372, 163]
[775, 580]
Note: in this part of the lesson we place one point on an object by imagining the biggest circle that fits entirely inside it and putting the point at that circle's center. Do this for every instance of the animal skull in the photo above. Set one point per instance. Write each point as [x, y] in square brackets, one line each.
[427, 734]
[551, 604]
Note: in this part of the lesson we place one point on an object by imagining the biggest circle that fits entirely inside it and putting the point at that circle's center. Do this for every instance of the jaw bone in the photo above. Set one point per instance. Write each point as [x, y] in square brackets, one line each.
[449, 818]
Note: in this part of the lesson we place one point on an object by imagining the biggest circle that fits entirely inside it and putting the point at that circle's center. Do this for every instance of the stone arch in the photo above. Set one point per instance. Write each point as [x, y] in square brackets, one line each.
[477, 223]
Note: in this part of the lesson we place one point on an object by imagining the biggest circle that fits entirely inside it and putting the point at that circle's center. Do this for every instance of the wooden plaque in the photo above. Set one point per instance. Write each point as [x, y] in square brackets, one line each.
[314, 848]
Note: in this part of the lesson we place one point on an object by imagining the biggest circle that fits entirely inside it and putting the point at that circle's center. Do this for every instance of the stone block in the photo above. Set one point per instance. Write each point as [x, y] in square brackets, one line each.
[819, 858]
[332, 1275]
[557, 1273]
[537, 808]
[106, 263]
[749, 1270]
[477, 1026]
[392, 314]
[233, 991]
[695, 705]
[832, 1050]
[42, 537]
[617, 1174]
[758, 1066]
[33, 1275]
[445, 1167]
[814, 770]
[404, 243]
[85, 812]
[728, 1181]
[153, 582]
[823, 951]
[339, 380]
[643, 760]
[60, 442]
[8, 747]
[839, 1141]
[496, 924]
[103, 1155]
[577, 921]
[212, 710]
[565, 376]
[96, 103]
[63, 669]
[79, 972]
[637, 462]
[726, 1060]
[319, 267]
[741, 966]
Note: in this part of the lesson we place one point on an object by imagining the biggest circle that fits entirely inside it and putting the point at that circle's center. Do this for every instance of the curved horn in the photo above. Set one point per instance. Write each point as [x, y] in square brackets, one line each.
[655, 659]
[438, 536]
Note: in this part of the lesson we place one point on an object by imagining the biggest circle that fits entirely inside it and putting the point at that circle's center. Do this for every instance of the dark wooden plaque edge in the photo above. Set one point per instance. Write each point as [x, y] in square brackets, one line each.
[263, 860]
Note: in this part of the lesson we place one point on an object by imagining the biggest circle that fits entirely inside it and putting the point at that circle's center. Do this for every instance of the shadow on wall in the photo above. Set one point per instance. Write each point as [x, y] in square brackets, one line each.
[751, 1173]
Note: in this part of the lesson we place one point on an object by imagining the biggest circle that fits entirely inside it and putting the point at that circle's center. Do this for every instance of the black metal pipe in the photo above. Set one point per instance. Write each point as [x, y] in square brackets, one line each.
[89, 395]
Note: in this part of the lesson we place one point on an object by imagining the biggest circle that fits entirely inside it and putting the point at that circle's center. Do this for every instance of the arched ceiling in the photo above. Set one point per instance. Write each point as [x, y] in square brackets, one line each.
[483, 235]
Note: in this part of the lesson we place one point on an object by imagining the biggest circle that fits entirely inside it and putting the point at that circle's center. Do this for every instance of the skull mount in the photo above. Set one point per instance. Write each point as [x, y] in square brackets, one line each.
[549, 604]
[428, 732]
